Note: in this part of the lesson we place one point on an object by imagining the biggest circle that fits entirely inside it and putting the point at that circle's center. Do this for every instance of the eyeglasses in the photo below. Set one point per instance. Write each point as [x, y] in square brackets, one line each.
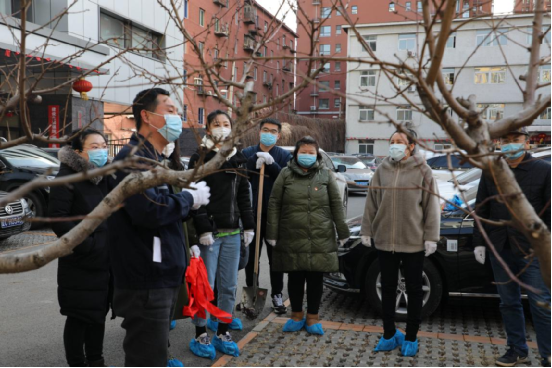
[271, 131]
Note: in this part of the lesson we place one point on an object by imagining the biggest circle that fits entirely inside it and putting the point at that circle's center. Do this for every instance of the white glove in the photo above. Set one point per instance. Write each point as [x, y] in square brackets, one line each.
[430, 247]
[479, 253]
[343, 241]
[264, 158]
[366, 241]
[271, 242]
[201, 193]
[195, 251]
[248, 237]
[206, 239]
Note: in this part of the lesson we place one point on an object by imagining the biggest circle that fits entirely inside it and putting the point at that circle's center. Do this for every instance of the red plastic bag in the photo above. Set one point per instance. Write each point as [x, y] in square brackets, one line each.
[200, 293]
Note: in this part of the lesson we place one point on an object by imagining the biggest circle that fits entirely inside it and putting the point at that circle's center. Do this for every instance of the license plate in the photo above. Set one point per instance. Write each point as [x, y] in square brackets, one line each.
[362, 183]
[15, 221]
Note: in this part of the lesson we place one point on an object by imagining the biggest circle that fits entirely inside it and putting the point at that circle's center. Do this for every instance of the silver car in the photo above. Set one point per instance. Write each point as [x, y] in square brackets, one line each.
[358, 175]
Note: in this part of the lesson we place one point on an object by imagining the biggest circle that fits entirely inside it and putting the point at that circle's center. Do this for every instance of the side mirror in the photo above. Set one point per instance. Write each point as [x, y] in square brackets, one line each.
[341, 168]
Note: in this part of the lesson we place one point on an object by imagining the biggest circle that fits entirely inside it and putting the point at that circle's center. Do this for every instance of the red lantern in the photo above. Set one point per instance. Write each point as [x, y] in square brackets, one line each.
[82, 86]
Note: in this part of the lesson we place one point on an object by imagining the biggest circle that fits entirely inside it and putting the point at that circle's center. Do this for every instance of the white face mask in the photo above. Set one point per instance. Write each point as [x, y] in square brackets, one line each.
[168, 150]
[397, 151]
[220, 133]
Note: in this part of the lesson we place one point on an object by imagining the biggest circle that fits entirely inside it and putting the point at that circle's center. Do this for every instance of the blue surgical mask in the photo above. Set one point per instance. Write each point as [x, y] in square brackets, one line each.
[173, 127]
[397, 151]
[306, 160]
[512, 147]
[268, 139]
[98, 157]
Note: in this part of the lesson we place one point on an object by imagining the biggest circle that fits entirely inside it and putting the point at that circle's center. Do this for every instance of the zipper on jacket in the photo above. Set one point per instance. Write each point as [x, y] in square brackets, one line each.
[233, 198]
[394, 203]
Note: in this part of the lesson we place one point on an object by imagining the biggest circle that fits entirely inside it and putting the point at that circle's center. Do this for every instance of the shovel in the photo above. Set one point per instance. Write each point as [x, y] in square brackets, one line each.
[254, 297]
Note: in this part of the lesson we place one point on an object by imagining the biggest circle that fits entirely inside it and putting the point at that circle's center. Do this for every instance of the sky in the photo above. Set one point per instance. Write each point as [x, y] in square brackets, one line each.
[501, 6]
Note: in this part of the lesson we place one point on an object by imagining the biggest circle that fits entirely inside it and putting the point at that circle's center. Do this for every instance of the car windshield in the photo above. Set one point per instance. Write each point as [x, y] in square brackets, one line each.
[29, 156]
[349, 162]
[368, 160]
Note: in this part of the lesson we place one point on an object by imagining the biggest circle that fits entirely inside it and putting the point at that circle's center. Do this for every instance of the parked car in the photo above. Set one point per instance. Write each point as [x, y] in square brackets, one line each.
[358, 174]
[51, 151]
[451, 271]
[371, 161]
[12, 217]
[22, 164]
[338, 170]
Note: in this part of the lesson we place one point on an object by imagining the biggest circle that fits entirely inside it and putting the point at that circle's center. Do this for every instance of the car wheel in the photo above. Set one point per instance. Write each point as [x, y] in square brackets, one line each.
[37, 204]
[432, 286]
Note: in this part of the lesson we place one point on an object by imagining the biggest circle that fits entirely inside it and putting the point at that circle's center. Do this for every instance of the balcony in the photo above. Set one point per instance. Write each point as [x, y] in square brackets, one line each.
[315, 2]
[200, 90]
[286, 68]
[221, 30]
[249, 14]
[316, 20]
[267, 84]
[249, 44]
[223, 3]
[314, 94]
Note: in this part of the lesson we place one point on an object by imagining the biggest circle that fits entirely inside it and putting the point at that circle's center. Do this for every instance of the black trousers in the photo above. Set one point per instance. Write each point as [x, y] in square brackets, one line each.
[276, 278]
[296, 290]
[78, 334]
[147, 316]
[411, 268]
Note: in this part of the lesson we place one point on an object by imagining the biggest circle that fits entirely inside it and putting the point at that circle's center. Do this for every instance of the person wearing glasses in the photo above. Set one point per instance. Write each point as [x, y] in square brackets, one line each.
[275, 159]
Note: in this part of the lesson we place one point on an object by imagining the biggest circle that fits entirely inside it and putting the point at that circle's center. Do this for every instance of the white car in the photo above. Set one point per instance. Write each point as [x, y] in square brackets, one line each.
[338, 172]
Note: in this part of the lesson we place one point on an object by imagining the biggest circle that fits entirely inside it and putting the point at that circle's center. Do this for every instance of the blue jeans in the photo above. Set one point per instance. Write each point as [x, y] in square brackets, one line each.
[221, 261]
[510, 302]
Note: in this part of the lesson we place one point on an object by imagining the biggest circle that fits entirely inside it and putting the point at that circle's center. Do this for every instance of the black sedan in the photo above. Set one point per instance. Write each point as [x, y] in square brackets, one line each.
[451, 270]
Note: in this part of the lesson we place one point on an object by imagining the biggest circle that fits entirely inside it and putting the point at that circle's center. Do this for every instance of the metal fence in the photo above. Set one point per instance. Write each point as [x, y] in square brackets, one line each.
[115, 145]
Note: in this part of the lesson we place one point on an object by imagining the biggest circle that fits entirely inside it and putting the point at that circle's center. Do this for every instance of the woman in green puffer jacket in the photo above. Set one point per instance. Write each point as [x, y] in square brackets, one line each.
[304, 212]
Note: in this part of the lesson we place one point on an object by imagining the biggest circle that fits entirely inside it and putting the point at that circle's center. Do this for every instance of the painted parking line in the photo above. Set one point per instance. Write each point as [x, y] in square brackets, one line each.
[273, 318]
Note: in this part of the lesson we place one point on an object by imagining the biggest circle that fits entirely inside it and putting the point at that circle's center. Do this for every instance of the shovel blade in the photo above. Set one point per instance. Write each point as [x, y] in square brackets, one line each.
[254, 299]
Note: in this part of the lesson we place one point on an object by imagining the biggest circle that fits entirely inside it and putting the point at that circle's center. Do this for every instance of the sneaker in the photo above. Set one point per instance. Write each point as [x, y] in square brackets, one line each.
[278, 305]
[315, 329]
[225, 345]
[511, 358]
[386, 344]
[202, 347]
[173, 325]
[294, 326]
[409, 348]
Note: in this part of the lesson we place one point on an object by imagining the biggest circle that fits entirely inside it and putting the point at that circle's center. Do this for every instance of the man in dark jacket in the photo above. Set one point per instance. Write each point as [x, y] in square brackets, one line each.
[147, 246]
[275, 159]
[533, 177]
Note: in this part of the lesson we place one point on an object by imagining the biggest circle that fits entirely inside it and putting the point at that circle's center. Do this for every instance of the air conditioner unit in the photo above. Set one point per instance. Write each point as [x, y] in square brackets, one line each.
[313, 108]
[412, 89]
[411, 54]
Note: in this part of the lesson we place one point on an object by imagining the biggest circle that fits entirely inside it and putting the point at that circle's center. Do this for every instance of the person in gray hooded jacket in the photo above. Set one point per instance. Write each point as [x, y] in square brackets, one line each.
[402, 216]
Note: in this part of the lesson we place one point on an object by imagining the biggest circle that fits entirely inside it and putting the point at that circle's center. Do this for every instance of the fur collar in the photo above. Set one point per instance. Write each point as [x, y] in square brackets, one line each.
[209, 144]
[70, 158]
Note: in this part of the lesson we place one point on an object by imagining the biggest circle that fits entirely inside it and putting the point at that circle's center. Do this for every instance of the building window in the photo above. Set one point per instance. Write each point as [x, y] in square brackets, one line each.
[544, 74]
[492, 111]
[277, 44]
[326, 68]
[337, 84]
[112, 30]
[339, 11]
[200, 115]
[337, 30]
[215, 54]
[255, 72]
[366, 113]
[371, 41]
[277, 67]
[338, 66]
[326, 31]
[337, 48]
[201, 17]
[324, 103]
[266, 27]
[368, 78]
[466, 9]
[324, 86]
[326, 13]
[404, 79]
[489, 38]
[366, 146]
[201, 47]
[408, 6]
[404, 113]
[337, 103]
[419, 7]
[265, 76]
[186, 9]
[325, 50]
[451, 41]
[407, 41]
[354, 10]
[545, 114]
[448, 75]
[185, 113]
[490, 75]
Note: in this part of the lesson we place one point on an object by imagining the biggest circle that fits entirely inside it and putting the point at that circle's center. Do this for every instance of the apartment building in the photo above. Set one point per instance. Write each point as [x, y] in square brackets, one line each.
[228, 33]
[488, 75]
[325, 98]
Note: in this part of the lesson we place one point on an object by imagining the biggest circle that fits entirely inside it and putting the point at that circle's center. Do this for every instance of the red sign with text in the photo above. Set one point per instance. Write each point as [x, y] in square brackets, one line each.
[53, 122]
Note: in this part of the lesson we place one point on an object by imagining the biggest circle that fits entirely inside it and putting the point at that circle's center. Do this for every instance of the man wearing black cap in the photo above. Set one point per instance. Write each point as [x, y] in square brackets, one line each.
[533, 177]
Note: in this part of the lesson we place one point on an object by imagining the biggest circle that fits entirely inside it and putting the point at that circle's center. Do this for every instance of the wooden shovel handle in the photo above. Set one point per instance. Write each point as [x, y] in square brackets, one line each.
[259, 213]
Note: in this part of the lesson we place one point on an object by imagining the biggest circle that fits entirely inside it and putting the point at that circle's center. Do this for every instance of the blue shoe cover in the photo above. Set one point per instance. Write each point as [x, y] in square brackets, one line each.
[409, 348]
[399, 338]
[294, 326]
[173, 325]
[387, 345]
[315, 329]
[236, 324]
[202, 350]
[226, 347]
[173, 362]
[212, 325]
